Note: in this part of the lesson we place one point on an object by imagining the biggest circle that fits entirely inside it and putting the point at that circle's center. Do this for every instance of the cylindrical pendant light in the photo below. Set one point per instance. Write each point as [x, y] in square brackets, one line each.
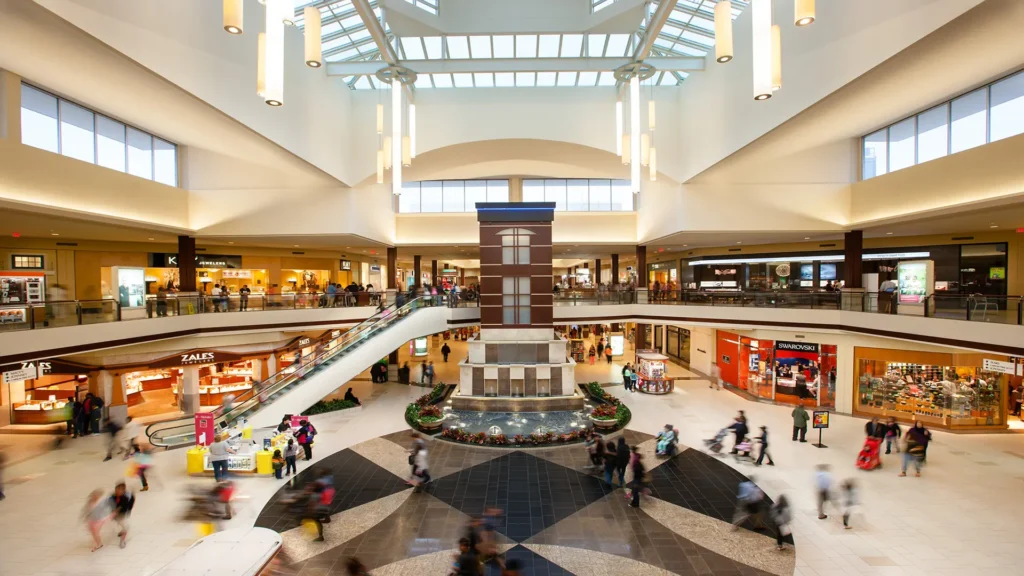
[406, 153]
[380, 166]
[776, 57]
[396, 136]
[761, 47]
[654, 164]
[634, 132]
[274, 54]
[314, 48]
[261, 65]
[650, 114]
[625, 149]
[233, 16]
[412, 130]
[618, 128]
[380, 118]
[387, 152]
[803, 12]
[645, 149]
[723, 31]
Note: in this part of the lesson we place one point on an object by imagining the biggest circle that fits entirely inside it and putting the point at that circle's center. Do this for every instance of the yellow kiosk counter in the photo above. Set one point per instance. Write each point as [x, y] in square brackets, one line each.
[250, 457]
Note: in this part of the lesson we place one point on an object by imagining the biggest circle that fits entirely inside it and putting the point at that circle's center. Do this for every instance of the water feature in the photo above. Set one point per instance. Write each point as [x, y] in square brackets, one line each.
[512, 423]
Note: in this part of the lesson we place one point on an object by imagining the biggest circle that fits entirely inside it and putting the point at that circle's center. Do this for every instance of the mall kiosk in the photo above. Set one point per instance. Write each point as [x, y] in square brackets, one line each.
[652, 374]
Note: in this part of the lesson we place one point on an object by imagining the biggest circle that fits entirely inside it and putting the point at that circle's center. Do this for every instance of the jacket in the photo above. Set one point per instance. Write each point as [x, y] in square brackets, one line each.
[800, 417]
[622, 455]
[875, 429]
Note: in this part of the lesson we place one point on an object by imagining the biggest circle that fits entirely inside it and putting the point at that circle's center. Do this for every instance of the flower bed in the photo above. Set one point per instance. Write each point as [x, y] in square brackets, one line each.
[482, 439]
[328, 406]
[611, 409]
[423, 414]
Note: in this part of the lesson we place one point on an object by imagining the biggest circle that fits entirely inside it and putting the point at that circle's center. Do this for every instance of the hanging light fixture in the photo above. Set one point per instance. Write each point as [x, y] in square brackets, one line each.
[645, 149]
[654, 164]
[625, 148]
[396, 136]
[761, 47]
[650, 114]
[380, 118]
[803, 12]
[406, 152]
[261, 65]
[273, 66]
[412, 130]
[380, 166]
[618, 127]
[723, 31]
[634, 132]
[386, 146]
[776, 57]
[233, 16]
[314, 48]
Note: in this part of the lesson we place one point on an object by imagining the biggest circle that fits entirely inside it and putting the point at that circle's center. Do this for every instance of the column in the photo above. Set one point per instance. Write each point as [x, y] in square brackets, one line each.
[664, 337]
[433, 273]
[417, 272]
[189, 395]
[187, 263]
[641, 275]
[393, 366]
[597, 272]
[261, 369]
[117, 406]
[462, 276]
[615, 268]
[390, 274]
[853, 249]
[272, 365]
[641, 336]
[10, 106]
[105, 383]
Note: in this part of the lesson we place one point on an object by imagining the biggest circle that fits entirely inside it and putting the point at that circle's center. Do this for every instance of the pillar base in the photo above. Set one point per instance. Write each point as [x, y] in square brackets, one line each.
[189, 403]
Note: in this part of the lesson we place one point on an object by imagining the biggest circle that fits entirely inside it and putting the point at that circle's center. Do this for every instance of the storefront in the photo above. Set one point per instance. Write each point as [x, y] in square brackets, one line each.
[666, 274]
[677, 344]
[47, 398]
[957, 391]
[156, 389]
[785, 372]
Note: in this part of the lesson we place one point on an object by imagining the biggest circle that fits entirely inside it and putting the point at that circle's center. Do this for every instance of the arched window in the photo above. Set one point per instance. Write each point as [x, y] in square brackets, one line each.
[515, 245]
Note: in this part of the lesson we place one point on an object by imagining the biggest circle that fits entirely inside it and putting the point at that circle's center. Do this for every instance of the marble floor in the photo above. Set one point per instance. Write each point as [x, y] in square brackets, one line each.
[962, 517]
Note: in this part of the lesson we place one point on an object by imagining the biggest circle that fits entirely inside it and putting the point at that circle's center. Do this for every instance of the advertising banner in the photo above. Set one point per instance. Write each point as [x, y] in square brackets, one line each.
[205, 428]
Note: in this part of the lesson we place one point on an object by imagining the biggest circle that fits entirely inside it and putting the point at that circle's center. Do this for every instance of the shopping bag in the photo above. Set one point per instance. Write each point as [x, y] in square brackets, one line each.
[205, 529]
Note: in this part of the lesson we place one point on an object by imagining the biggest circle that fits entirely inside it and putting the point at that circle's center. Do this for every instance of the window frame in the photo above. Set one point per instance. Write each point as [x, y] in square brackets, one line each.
[15, 266]
[95, 137]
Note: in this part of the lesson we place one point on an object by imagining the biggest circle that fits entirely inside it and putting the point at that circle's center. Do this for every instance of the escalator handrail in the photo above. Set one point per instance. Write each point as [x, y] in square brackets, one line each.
[285, 377]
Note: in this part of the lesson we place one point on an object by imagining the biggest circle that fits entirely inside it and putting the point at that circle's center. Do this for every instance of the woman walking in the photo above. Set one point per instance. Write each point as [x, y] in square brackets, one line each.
[916, 439]
[639, 473]
[622, 453]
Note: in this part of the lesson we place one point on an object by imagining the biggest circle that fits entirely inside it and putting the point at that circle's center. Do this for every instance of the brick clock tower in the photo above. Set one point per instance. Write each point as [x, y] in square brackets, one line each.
[517, 355]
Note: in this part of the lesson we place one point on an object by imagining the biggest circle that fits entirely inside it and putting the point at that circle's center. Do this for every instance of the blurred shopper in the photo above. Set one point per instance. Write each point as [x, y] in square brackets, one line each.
[622, 454]
[639, 478]
[716, 377]
[3, 464]
[800, 419]
[121, 503]
[763, 441]
[445, 351]
[782, 516]
[467, 562]
[243, 297]
[111, 428]
[430, 372]
[893, 434]
[608, 354]
[143, 463]
[749, 504]
[96, 513]
[627, 373]
[130, 436]
[285, 425]
[823, 488]
[915, 447]
[277, 463]
[600, 347]
[592, 354]
[875, 429]
[353, 567]
[291, 451]
[75, 425]
[610, 460]
[850, 500]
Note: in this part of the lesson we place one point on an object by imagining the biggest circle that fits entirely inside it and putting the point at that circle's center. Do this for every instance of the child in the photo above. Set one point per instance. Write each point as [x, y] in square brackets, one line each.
[277, 461]
[893, 433]
[96, 512]
[290, 452]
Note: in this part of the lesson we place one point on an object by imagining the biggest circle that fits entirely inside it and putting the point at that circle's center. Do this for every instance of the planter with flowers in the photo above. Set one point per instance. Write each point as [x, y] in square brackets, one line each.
[604, 416]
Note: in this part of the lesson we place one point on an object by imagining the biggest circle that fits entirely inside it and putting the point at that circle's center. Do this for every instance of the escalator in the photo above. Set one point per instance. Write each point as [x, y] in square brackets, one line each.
[301, 385]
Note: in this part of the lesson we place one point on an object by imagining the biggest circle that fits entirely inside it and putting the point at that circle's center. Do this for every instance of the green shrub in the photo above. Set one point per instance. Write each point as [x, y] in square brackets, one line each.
[329, 406]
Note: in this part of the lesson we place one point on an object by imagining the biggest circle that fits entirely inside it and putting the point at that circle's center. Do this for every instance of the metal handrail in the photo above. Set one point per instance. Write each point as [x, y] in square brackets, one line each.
[181, 431]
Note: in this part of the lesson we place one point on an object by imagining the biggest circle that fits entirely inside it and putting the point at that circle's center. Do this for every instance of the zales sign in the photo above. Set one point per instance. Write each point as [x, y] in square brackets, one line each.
[197, 358]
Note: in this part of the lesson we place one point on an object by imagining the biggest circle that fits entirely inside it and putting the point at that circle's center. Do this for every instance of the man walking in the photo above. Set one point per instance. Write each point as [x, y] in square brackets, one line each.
[445, 351]
[243, 297]
[763, 441]
[800, 418]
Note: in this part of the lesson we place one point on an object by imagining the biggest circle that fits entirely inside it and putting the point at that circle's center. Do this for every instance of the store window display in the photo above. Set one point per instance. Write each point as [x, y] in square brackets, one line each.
[786, 372]
[946, 390]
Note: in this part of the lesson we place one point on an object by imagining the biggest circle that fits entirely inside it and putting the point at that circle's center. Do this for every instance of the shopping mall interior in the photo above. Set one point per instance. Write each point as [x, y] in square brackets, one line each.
[517, 287]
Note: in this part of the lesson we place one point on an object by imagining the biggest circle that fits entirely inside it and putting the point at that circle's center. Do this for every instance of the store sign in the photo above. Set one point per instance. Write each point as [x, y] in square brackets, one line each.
[449, 271]
[302, 343]
[159, 260]
[725, 271]
[346, 264]
[44, 367]
[374, 267]
[796, 346]
[20, 374]
[820, 419]
[998, 366]
[236, 274]
[195, 358]
[335, 334]
[206, 428]
[782, 270]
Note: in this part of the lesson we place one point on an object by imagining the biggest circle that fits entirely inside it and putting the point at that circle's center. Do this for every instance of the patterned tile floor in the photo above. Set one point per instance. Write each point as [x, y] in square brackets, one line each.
[554, 510]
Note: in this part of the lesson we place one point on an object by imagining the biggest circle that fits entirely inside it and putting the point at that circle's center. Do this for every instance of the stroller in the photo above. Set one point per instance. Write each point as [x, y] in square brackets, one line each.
[714, 445]
[743, 450]
[868, 457]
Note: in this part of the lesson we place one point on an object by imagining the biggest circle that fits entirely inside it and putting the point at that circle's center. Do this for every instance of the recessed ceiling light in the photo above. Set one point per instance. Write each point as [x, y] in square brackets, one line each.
[807, 237]
[54, 234]
[888, 233]
[149, 238]
[296, 245]
[994, 226]
[230, 242]
[739, 242]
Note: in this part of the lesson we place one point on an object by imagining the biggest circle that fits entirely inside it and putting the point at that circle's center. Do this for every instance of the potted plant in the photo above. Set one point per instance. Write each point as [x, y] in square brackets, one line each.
[430, 417]
[604, 416]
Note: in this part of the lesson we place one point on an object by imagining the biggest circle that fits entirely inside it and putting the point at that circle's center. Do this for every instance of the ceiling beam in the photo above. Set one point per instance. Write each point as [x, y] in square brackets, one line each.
[483, 65]
[658, 19]
[373, 25]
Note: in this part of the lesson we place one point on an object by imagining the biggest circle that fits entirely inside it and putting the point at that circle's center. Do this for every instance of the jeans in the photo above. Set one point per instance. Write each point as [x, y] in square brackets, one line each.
[142, 476]
[908, 458]
[608, 475]
[220, 469]
[307, 449]
[823, 497]
[891, 441]
[622, 475]
[290, 465]
[277, 473]
[764, 452]
[802, 430]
